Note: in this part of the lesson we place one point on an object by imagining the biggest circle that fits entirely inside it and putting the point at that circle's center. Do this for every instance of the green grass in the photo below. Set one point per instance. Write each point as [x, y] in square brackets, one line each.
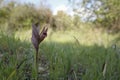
[74, 55]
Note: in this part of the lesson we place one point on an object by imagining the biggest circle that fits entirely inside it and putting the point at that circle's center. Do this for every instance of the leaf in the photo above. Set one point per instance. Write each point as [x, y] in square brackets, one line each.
[104, 68]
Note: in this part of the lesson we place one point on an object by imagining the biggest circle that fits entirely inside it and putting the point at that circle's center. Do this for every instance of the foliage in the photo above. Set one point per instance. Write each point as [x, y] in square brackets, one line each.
[15, 16]
[12, 54]
[61, 21]
[103, 13]
[78, 57]
[18, 16]
[77, 53]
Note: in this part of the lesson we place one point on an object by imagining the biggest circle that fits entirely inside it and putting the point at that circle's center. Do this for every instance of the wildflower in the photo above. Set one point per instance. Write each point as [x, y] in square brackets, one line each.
[36, 37]
[36, 40]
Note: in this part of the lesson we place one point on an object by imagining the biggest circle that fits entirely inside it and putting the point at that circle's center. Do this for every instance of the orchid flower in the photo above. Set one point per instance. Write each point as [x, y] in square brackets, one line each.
[36, 40]
[36, 37]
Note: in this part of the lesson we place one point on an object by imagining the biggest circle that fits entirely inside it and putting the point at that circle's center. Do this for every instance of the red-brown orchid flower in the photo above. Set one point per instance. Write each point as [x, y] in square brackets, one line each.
[36, 37]
[36, 40]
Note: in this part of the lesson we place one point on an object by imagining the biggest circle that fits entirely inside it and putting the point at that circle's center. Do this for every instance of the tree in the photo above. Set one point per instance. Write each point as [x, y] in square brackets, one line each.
[17, 16]
[103, 12]
[61, 21]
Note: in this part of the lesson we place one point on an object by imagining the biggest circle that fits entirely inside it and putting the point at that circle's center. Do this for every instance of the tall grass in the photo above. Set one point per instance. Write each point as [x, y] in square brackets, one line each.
[69, 55]
[13, 53]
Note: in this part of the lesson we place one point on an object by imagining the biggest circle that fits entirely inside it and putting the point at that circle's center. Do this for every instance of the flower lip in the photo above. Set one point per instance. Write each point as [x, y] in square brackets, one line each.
[44, 33]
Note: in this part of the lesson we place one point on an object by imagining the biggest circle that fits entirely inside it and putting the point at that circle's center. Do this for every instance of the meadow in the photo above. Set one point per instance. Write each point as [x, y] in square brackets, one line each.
[83, 40]
[78, 54]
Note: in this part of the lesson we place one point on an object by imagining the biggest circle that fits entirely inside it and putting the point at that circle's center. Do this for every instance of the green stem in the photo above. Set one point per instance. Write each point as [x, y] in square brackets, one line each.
[36, 64]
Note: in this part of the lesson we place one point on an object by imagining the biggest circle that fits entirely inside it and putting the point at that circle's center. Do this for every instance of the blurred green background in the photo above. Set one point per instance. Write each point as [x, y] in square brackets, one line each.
[83, 42]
